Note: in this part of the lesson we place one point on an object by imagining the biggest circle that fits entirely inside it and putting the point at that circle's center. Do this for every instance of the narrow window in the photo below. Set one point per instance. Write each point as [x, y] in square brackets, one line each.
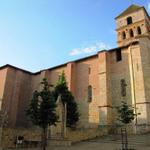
[89, 93]
[89, 70]
[131, 33]
[123, 87]
[139, 30]
[123, 35]
[129, 20]
[118, 55]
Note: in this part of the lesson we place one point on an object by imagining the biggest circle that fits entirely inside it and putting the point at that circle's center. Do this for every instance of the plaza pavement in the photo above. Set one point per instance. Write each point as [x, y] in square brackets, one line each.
[111, 142]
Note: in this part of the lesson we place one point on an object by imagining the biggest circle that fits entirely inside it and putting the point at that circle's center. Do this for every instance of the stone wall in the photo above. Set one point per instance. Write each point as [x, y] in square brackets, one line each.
[3, 74]
[86, 74]
[9, 136]
[137, 16]
[85, 134]
[119, 70]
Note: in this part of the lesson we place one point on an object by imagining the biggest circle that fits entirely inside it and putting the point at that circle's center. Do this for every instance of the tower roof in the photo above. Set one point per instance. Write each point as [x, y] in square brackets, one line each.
[129, 10]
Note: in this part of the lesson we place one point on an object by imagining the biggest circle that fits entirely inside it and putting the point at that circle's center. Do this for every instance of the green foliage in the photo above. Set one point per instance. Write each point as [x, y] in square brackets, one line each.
[32, 110]
[62, 80]
[126, 113]
[41, 109]
[67, 97]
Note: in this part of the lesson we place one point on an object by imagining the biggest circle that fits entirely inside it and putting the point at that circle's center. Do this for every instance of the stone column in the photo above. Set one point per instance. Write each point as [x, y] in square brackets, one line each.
[105, 104]
[71, 77]
[64, 120]
[139, 75]
[59, 131]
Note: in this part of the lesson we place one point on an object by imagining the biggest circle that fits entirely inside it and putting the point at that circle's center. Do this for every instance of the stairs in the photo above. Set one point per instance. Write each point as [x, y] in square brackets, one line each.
[59, 142]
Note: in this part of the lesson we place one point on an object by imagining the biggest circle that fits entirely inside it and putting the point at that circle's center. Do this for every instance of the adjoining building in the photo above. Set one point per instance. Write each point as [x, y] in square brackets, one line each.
[99, 82]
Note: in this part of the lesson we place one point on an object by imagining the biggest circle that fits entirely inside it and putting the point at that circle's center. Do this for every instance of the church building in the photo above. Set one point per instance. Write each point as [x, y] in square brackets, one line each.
[99, 82]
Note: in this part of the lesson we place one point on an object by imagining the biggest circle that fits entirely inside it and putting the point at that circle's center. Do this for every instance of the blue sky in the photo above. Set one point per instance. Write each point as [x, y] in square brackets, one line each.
[38, 34]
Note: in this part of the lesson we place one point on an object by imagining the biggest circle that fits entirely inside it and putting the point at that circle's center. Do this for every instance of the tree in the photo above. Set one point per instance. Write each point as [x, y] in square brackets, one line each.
[67, 97]
[125, 115]
[42, 110]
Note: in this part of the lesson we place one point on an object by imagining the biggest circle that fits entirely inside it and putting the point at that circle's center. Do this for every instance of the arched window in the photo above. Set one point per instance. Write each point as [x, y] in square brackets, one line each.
[89, 70]
[139, 30]
[131, 33]
[129, 20]
[123, 35]
[123, 87]
[89, 93]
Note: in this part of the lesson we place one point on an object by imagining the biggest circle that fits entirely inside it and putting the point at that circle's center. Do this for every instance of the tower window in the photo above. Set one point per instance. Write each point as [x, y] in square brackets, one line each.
[123, 87]
[131, 33]
[129, 20]
[118, 55]
[89, 93]
[139, 30]
[123, 35]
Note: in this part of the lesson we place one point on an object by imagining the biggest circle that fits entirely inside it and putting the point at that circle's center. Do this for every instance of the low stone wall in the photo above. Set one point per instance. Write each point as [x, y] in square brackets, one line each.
[116, 129]
[143, 128]
[85, 134]
[131, 129]
[9, 136]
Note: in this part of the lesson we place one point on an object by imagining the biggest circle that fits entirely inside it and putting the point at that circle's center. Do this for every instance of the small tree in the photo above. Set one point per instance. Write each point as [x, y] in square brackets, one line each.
[67, 97]
[41, 110]
[125, 115]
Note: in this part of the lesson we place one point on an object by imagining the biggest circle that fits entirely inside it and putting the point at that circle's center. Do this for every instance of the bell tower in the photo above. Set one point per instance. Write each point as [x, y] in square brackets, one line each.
[132, 24]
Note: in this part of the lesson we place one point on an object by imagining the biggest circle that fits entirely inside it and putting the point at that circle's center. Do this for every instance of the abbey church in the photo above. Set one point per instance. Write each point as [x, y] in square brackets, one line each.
[99, 82]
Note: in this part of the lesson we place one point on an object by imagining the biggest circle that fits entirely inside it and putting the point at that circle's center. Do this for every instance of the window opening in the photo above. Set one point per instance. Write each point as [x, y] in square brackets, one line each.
[123, 87]
[129, 20]
[139, 30]
[118, 55]
[131, 33]
[89, 93]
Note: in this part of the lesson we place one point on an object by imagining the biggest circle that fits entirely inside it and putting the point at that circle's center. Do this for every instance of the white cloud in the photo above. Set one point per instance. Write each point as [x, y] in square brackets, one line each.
[97, 46]
[148, 7]
[89, 49]
[102, 45]
[75, 51]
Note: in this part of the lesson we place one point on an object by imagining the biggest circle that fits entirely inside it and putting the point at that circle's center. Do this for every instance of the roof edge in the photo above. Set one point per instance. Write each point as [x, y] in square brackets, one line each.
[62, 65]
[140, 7]
[17, 68]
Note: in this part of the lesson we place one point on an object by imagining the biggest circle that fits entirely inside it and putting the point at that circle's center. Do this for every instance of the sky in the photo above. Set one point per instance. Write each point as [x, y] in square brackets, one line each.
[39, 34]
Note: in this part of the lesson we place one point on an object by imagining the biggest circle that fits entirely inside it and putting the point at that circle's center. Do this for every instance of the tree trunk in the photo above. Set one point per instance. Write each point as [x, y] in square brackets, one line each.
[44, 138]
[124, 138]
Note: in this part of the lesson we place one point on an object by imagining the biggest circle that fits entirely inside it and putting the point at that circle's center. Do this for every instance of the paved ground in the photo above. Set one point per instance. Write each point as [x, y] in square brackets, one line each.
[137, 142]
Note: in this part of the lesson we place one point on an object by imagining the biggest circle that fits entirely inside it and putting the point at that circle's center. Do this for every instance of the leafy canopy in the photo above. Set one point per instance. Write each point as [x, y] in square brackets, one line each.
[67, 97]
[126, 113]
[42, 107]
